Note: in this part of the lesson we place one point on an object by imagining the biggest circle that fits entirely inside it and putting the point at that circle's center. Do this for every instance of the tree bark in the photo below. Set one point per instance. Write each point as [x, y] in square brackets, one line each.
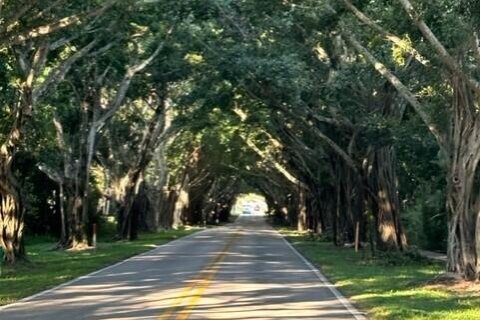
[181, 203]
[11, 204]
[11, 214]
[383, 178]
[154, 133]
[463, 200]
[126, 216]
[301, 210]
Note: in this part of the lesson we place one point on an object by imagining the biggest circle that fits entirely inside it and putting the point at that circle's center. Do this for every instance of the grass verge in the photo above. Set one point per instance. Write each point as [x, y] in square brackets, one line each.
[46, 268]
[389, 287]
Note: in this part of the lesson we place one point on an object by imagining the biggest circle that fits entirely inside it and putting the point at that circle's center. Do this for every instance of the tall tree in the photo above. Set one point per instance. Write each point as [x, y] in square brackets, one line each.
[36, 67]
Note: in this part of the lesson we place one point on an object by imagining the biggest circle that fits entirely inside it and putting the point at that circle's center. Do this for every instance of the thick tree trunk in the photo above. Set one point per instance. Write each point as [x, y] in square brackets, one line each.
[462, 255]
[77, 235]
[315, 222]
[80, 180]
[11, 217]
[340, 214]
[153, 134]
[179, 201]
[11, 205]
[158, 194]
[168, 217]
[163, 210]
[301, 210]
[463, 199]
[126, 216]
[383, 178]
[324, 208]
[181, 204]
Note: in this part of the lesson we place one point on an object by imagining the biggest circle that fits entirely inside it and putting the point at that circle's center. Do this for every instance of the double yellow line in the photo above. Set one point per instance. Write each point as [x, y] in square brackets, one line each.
[194, 292]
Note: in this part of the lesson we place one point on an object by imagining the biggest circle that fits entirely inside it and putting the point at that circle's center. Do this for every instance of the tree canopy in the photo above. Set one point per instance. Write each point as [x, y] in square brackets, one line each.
[356, 120]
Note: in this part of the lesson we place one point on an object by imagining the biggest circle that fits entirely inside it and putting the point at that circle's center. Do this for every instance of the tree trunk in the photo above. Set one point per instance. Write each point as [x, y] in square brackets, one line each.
[11, 205]
[463, 200]
[301, 210]
[158, 194]
[182, 202]
[383, 178]
[63, 215]
[78, 209]
[126, 216]
[78, 233]
[153, 134]
[11, 216]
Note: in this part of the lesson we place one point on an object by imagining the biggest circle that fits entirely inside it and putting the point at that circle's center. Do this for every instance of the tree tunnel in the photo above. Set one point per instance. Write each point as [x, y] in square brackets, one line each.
[342, 125]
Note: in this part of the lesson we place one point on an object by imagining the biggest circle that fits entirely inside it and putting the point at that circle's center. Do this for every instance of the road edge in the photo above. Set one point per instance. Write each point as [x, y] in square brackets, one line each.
[345, 301]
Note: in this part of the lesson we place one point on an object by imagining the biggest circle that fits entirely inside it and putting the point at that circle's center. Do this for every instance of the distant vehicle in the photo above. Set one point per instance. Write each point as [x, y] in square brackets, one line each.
[246, 209]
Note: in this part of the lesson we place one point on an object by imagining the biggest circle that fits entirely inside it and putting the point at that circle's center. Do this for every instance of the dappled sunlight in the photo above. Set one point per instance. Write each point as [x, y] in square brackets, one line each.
[244, 271]
[390, 291]
[47, 268]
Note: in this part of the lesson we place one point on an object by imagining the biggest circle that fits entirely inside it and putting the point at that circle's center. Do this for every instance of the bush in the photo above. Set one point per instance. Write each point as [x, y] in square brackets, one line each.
[395, 258]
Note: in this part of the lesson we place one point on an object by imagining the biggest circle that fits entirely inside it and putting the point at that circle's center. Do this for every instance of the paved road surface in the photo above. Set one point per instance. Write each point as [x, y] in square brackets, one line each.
[242, 271]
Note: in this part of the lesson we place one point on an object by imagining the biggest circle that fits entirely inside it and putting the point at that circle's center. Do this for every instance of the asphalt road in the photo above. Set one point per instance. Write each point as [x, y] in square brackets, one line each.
[242, 271]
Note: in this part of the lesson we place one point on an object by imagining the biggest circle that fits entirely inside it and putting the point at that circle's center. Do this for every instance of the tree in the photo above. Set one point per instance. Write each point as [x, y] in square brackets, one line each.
[29, 53]
[457, 139]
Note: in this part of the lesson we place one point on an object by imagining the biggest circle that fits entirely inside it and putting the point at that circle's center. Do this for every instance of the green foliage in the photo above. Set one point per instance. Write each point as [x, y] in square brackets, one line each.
[285, 64]
[389, 290]
[408, 258]
[39, 195]
[426, 220]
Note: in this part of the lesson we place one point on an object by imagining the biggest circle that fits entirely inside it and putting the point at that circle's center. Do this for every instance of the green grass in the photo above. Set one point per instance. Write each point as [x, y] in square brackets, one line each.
[388, 291]
[47, 268]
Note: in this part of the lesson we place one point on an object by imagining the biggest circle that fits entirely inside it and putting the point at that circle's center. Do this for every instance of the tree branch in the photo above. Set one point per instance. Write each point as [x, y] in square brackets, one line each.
[51, 173]
[59, 73]
[11, 38]
[281, 169]
[117, 101]
[362, 17]
[445, 57]
[401, 88]
[265, 156]
[302, 118]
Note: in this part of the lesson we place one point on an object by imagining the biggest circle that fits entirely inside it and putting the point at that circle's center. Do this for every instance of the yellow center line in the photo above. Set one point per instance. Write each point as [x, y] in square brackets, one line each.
[200, 284]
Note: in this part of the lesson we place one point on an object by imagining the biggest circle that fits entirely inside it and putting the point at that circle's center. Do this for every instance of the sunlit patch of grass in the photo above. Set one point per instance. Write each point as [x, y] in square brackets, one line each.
[47, 268]
[387, 291]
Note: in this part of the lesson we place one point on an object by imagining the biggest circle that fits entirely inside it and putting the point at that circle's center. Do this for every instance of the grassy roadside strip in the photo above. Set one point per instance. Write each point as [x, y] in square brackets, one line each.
[388, 288]
[46, 268]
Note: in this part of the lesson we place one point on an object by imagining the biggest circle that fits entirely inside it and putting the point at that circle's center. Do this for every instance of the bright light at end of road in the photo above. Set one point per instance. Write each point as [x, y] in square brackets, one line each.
[250, 204]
